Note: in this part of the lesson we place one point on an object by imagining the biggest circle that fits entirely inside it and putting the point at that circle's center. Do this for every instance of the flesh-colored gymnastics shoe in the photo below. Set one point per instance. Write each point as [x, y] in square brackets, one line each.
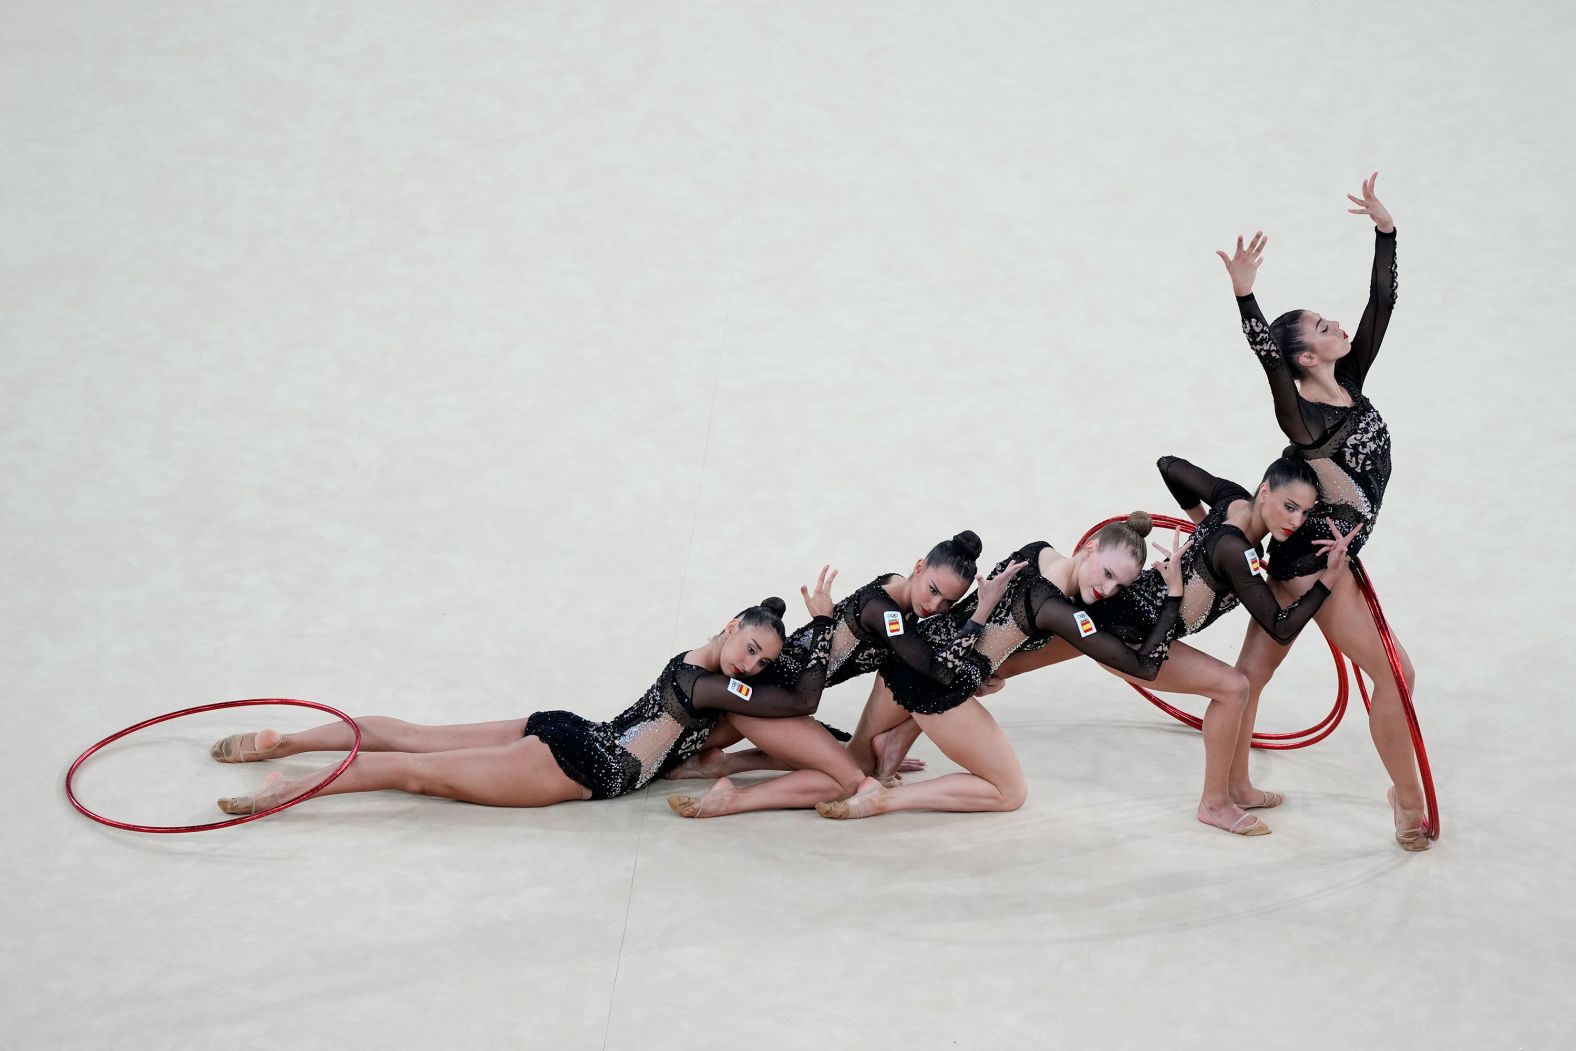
[1411, 839]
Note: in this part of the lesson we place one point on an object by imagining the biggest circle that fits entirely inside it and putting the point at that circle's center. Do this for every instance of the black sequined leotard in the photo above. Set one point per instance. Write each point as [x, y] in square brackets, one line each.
[671, 721]
[1219, 570]
[873, 631]
[1347, 446]
[1033, 610]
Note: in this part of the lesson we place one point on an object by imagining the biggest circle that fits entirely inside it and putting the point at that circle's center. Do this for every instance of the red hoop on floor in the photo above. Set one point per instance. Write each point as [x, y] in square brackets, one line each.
[1324, 727]
[341, 768]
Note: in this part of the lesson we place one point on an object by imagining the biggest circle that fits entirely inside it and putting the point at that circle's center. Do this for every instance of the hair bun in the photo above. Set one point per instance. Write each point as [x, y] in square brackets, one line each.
[1140, 522]
[775, 606]
[968, 544]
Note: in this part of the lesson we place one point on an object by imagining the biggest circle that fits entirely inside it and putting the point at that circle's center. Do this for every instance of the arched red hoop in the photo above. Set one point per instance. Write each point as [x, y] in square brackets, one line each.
[1265, 741]
[1322, 729]
[340, 769]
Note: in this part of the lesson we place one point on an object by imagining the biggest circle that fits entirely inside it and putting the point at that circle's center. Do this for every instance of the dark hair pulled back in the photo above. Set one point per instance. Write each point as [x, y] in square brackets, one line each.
[1289, 469]
[1286, 331]
[768, 614]
[958, 555]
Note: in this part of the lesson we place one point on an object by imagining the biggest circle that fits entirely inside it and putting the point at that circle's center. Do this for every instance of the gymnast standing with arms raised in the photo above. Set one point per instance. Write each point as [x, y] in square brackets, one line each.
[1317, 376]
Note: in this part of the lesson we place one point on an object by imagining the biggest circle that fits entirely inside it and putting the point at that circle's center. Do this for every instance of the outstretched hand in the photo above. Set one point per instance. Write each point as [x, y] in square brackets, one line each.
[1368, 204]
[1170, 564]
[1243, 264]
[819, 602]
[1334, 551]
[993, 589]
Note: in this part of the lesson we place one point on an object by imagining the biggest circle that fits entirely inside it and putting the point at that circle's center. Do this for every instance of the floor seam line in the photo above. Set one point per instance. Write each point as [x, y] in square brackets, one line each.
[700, 489]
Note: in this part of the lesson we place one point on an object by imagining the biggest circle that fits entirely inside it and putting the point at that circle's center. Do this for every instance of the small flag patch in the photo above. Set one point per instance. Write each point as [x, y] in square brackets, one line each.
[1254, 565]
[741, 690]
[894, 623]
[1085, 624]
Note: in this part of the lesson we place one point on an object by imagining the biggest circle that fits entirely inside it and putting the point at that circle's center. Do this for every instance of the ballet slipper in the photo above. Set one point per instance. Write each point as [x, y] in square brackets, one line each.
[1248, 825]
[720, 797]
[233, 749]
[1267, 801]
[242, 805]
[1242, 825]
[685, 806]
[891, 781]
[1411, 839]
[850, 809]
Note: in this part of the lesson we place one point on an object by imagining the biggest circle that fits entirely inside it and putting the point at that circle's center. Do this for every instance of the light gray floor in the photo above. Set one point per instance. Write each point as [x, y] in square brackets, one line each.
[457, 361]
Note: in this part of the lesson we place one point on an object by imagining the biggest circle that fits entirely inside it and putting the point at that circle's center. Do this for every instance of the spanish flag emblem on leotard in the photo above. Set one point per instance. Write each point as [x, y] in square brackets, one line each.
[894, 623]
[1085, 624]
[1254, 565]
[741, 690]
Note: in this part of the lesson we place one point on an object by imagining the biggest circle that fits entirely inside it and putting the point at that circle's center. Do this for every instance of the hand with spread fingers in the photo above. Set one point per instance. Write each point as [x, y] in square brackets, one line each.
[993, 589]
[1334, 551]
[1368, 204]
[1243, 264]
[1170, 564]
[819, 602]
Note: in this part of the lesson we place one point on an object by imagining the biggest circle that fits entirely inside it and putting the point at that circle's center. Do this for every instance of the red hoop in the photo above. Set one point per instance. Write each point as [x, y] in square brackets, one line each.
[1322, 729]
[355, 749]
[1270, 742]
[1393, 655]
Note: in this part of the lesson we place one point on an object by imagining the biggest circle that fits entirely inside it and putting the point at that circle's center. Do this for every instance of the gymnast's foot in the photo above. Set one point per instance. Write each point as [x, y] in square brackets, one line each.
[719, 801]
[273, 791]
[871, 798]
[1409, 830]
[889, 748]
[1232, 818]
[1249, 798]
[247, 748]
[702, 766]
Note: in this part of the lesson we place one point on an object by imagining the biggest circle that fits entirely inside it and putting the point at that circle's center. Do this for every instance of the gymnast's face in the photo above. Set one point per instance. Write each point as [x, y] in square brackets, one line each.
[1286, 508]
[1106, 571]
[1323, 338]
[933, 589]
[746, 651]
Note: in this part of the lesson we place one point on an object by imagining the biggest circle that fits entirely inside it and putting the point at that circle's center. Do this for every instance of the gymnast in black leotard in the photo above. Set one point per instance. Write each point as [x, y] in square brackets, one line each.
[876, 627]
[1046, 595]
[1317, 382]
[556, 756]
[1344, 439]
[1221, 568]
[1224, 565]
